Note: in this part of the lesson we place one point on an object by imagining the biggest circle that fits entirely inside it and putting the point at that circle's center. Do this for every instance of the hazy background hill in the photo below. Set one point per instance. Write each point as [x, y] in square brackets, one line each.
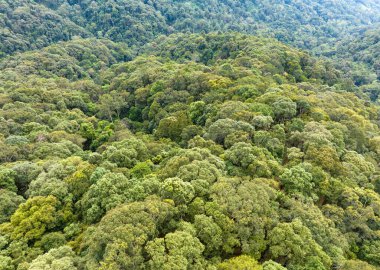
[319, 26]
[307, 24]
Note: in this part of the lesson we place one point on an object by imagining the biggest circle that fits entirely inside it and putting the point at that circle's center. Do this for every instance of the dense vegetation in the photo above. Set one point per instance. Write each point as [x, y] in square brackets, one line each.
[26, 25]
[217, 151]
[315, 25]
[160, 134]
[363, 49]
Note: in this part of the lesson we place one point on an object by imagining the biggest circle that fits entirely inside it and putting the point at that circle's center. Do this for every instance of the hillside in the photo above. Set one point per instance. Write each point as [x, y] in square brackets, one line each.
[204, 151]
[317, 26]
[325, 28]
[25, 25]
[362, 47]
[306, 24]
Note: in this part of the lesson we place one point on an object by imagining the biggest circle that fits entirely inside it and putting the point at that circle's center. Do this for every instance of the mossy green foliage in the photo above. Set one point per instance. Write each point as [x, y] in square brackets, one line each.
[204, 151]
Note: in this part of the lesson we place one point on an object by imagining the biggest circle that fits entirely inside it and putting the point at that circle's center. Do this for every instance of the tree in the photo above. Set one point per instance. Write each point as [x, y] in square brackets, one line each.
[262, 122]
[235, 137]
[242, 262]
[251, 159]
[110, 190]
[326, 157]
[220, 129]
[190, 132]
[178, 250]
[9, 202]
[6, 263]
[172, 126]
[197, 111]
[80, 180]
[324, 230]
[141, 169]
[176, 189]
[51, 240]
[209, 233]
[271, 265]
[62, 258]
[44, 186]
[199, 142]
[284, 109]
[25, 173]
[112, 104]
[248, 202]
[293, 245]
[126, 153]
[187, 156]
[298, 182]
[118, 240]
[201, 174]
[34, 217]
[356, 264]
[370, 252]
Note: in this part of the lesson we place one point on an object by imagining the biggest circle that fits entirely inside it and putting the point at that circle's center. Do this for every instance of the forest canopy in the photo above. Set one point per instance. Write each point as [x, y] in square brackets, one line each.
[189, 135]
[203, 152]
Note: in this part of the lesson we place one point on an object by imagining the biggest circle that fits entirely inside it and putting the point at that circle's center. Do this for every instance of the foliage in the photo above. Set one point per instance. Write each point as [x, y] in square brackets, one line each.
[204, 151]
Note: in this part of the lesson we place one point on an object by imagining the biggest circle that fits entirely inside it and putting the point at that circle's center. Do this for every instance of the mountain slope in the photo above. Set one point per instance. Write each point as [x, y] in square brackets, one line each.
[71, 60]
[305, 24]
[25, 25]
[318, 26]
